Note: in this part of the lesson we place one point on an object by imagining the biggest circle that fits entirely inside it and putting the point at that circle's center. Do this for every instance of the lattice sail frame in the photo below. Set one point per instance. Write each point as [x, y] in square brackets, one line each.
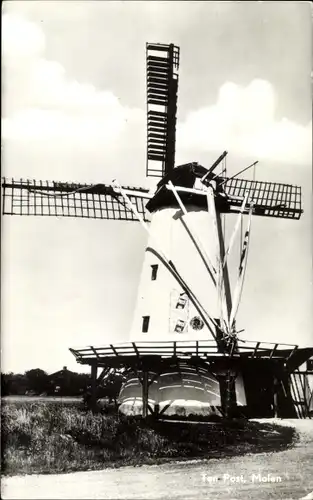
[101, 201]
[271, 199]
[61, 199]
[162, 86]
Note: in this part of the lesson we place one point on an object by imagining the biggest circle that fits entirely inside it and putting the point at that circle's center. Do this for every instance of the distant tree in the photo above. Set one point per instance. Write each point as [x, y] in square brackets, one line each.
[13, 384]
[64, 383]
[37, 380]
[4, 384]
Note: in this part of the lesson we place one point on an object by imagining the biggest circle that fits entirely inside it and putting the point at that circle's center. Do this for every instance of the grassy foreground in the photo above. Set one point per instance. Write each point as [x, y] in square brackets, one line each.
[51, 438]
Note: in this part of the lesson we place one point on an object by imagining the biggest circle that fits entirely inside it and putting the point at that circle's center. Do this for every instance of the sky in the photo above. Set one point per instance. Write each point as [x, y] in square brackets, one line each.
[74, 109]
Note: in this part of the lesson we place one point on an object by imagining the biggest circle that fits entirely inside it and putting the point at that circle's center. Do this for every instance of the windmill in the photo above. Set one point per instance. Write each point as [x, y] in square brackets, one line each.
[184, 346]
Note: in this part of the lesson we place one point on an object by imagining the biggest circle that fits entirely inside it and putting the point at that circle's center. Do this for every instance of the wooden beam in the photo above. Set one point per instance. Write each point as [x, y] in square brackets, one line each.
[151, 410]
[165, 407]
[283, 387]
[114, 350]
[94, 351]
[255, 349]
[273, 350]
[135, 348]
[292, 352]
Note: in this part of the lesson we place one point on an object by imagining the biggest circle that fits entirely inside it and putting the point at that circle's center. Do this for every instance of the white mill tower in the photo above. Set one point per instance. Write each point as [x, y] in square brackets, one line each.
[178, 290]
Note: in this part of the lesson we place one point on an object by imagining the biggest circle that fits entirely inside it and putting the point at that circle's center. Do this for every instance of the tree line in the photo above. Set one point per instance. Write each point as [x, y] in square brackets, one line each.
[63, 383]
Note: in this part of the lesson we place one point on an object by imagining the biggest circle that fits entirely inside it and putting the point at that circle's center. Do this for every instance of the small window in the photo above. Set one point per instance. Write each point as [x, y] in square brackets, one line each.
[145, 323]
[309, 364]
[181, 301]
[154, 271]
[180, 325]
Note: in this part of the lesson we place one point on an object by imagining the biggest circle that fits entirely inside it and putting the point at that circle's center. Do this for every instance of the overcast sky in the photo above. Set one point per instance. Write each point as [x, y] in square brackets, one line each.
[74, 108]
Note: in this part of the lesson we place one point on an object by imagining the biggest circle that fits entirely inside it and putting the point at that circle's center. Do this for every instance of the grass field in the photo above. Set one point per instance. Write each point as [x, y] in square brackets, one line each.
[53, 437]
[42, 399]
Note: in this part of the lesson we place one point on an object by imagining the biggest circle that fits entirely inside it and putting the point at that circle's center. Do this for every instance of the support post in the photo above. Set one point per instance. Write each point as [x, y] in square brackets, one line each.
[228, 393]
[145, 393]
[94, 372]
[229, 390]
[275, 397]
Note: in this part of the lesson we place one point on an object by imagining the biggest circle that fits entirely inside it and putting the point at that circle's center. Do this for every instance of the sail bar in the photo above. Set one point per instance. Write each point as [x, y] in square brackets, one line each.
[162, 85]
[62, 199]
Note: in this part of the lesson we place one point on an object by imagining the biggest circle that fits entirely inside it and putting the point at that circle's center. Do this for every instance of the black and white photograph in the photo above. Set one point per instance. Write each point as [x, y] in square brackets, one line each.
[156, 250]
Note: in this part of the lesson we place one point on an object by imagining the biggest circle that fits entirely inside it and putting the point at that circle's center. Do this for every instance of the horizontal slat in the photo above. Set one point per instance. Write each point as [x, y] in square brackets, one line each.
[154, 91]
[159, 86]
[156, 136]
[157, 141]
[158, 80]
[153, 129]
[157, 59]
[153, 140]
[163, 97]
[155, 72]
[162, 47]
[153, 147]
[161, 139]
[154, 113]
[155, 157]
[164, 63]
[158, 125]
[156, 102]
[153, 152]
[158, 119]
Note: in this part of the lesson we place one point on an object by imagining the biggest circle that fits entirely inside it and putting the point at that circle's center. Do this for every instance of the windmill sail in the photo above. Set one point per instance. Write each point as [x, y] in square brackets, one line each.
[162, 85]
[270, 199]
[62, 199]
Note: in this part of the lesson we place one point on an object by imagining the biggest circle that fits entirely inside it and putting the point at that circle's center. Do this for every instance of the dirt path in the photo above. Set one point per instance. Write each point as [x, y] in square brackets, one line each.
[286, 475]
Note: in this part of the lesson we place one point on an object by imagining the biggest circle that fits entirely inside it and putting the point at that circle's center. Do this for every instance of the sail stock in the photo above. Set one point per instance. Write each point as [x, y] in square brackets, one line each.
[242, 270]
